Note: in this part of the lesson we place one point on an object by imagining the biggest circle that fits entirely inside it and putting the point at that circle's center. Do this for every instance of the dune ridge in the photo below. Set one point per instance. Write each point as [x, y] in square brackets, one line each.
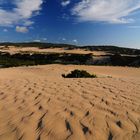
[36, 103]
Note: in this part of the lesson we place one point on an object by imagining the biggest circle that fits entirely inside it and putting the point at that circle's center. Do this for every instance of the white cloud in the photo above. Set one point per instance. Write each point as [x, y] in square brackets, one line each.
[111, 11]
[65, 2]
[37, 40]
[64, 39]
[21, 29]
[44, 39]
[5, 30]
[21, 14]
[28, 23]
[75, 41]
[25, 8]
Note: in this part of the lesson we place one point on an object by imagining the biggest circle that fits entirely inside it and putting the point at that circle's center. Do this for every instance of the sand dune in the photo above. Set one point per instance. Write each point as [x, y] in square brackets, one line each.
[36, 103]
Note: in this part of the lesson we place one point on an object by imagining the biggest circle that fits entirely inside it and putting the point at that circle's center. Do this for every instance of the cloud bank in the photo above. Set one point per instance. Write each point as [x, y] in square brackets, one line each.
[21, 13]
[110, 11]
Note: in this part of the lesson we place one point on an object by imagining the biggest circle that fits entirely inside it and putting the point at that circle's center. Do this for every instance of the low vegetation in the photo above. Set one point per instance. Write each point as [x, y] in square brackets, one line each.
[79, 74]
[106, 48]
[118, 57]
[27, 59]
[19, 59]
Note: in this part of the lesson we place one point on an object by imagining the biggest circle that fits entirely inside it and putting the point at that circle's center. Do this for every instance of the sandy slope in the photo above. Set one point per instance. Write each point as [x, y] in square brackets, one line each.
[36, 103]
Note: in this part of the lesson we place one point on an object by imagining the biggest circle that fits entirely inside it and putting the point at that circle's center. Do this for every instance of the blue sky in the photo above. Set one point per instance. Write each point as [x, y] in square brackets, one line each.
[82, 22]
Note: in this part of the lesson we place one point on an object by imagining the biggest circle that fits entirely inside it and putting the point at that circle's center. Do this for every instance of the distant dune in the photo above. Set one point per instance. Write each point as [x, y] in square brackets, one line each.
[18, 54]
[36, 103]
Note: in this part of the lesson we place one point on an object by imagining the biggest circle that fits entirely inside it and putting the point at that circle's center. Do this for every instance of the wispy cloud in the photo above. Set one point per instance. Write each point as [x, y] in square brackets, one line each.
[44, 39]
[75, 41]
[65, 2]
[21, 29]
[5, 30]
[134, 27]
[37, 40]
[111, 11]
[22, 13]
[64, 39]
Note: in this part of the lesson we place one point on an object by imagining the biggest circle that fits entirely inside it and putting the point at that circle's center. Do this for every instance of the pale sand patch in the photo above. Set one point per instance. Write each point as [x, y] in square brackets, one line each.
[36, 103]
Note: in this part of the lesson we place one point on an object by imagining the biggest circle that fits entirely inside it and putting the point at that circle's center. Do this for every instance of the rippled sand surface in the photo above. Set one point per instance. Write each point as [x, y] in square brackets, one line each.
[36, 103]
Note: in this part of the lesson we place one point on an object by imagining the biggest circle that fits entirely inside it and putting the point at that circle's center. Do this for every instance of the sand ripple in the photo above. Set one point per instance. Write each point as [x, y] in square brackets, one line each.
[37, 104]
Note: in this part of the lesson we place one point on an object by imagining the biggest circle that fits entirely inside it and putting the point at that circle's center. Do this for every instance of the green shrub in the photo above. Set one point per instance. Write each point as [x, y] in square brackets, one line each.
[79, 74]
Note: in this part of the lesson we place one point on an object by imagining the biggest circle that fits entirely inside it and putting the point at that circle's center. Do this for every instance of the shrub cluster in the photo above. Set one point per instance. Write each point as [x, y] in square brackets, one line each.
[19, 59]
[79, 74]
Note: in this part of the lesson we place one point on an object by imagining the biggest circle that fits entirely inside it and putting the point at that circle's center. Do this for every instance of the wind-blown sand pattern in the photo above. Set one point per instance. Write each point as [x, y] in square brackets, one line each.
[36, 103]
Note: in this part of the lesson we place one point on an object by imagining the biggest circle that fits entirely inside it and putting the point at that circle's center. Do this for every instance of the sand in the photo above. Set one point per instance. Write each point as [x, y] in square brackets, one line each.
[13, 50]
[36, 103]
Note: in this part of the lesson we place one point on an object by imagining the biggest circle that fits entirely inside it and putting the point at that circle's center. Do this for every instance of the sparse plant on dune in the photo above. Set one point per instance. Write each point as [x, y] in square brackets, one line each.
[79, 74]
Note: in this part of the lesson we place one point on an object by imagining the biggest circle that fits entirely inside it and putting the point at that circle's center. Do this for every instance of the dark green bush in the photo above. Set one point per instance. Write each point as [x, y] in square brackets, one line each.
[79, 74]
